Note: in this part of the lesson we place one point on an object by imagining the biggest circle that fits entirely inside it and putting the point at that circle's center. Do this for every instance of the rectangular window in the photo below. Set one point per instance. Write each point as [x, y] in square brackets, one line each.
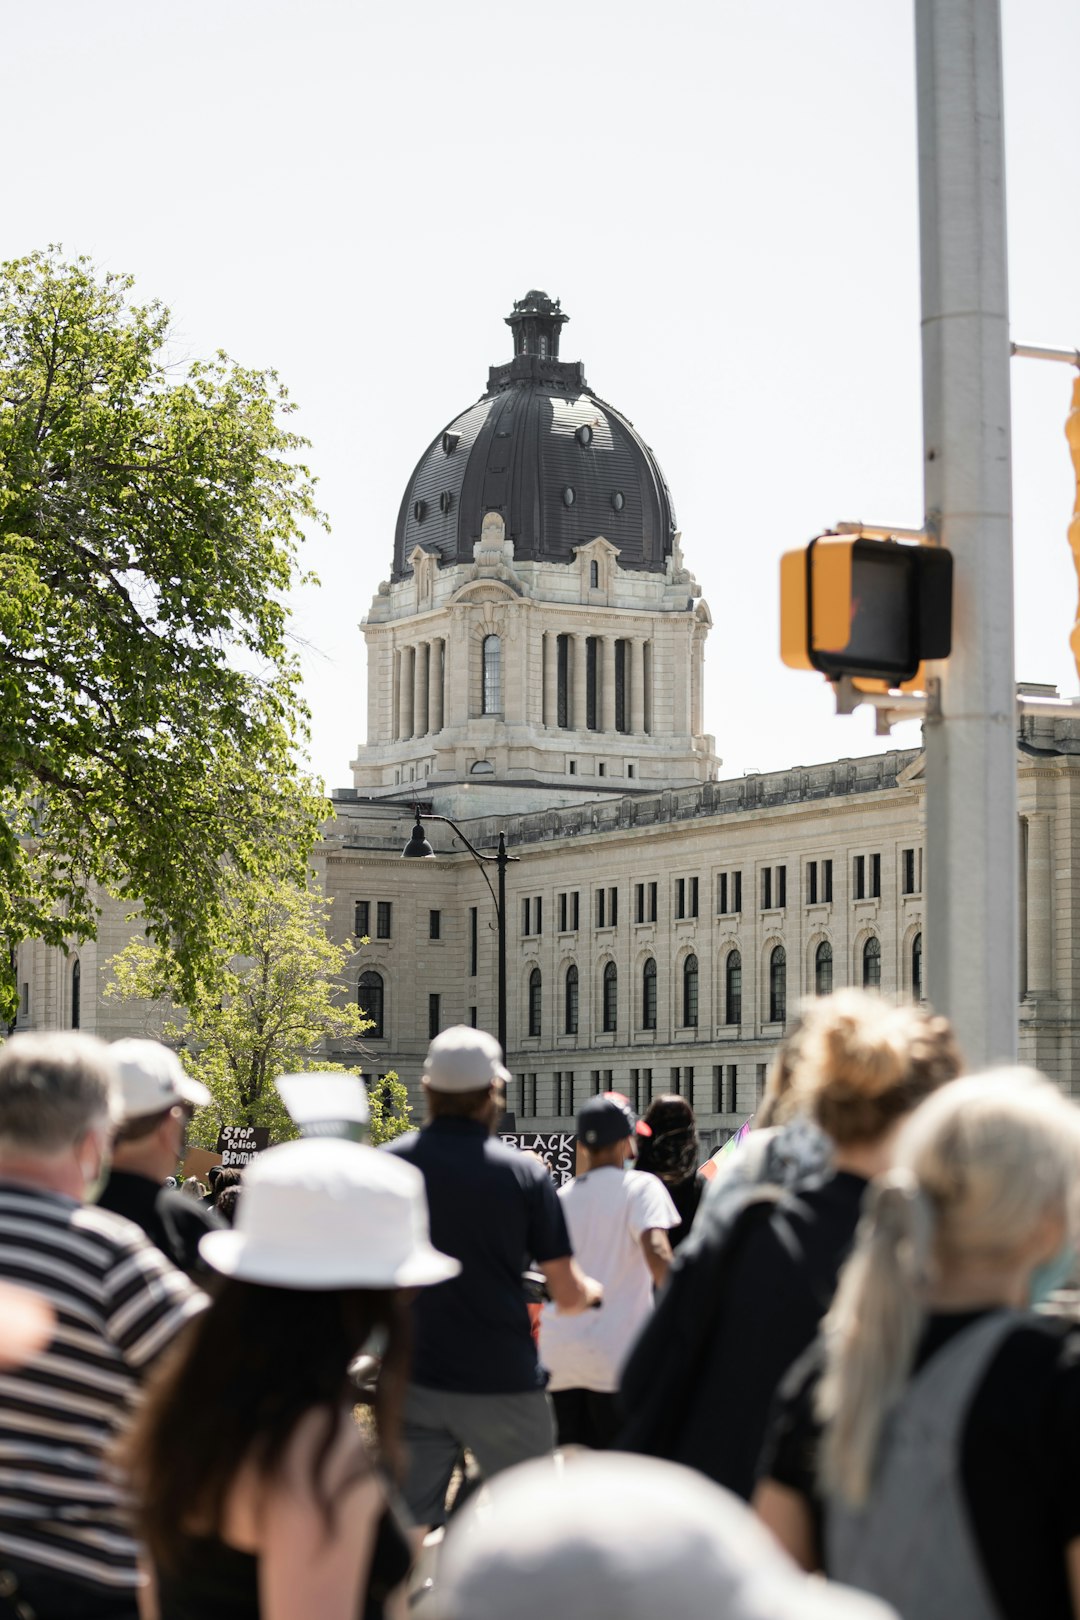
[688, 1084]
[433, 1024]
[680, 897]
[716, 1106]
[761, 1071]
[24, 999]
[575, 908]
[562, 646]
[562, 914]
[781, 886]
[693, 897]
[875, 877]
[526, 916]
[538, 914]
[736, 885]
[907, 867]
[434, 926]
[601, 908]
[860, 877]
[472, 1017]
[639, 902]
[652, 902]
[732, 1088]
[722, 894]
[675, 1083]
[635, 1090]
[596, 1082]
[613, 908]
[592, 649]
[826, 882]
[622, 708]
[362, 919]
[811, 883]
[474, 945]
[382, 919]
[766, 888]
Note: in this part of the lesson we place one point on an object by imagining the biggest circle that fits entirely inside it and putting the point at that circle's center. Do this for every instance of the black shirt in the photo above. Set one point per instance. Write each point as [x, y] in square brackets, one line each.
[496, 1210]
[1019, 1453]
[172, 1221]
[686, 1196]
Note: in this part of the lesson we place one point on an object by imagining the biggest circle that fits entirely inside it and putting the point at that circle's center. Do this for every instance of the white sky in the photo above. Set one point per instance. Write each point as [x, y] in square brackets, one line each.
[723, 196]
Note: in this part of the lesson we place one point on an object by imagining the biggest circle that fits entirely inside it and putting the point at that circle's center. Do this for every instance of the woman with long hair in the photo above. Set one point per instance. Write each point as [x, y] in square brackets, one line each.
[255, 1493]
[926, 1448]
[669, 1150]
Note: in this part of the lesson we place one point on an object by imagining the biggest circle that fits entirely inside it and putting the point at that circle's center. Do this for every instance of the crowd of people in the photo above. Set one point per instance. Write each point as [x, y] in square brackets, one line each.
[839, 1379]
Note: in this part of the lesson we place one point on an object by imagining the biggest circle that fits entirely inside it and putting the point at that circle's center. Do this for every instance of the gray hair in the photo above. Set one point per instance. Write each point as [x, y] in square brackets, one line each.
[53, 1089]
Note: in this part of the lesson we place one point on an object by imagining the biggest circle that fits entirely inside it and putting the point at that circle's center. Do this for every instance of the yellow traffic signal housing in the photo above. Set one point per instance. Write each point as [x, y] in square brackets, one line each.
[874, 609]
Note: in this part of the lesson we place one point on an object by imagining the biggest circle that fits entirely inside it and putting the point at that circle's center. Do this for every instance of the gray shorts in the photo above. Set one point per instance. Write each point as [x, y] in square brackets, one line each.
[499, 1430]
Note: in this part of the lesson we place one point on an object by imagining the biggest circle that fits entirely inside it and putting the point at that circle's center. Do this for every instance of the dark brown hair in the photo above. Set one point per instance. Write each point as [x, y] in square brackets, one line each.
[235, 1387]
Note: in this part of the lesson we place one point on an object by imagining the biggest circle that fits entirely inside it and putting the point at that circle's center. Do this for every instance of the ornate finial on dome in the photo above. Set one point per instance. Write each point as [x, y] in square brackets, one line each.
[536, 322]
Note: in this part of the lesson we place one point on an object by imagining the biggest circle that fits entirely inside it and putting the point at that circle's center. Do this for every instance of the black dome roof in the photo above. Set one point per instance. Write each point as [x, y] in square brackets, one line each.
[556, 462]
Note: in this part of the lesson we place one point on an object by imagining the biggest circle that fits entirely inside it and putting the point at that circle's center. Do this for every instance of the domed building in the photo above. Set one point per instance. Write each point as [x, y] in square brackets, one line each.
[539, 634]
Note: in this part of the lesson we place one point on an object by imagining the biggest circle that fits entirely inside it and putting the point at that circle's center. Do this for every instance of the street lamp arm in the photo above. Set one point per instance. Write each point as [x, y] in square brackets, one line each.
[478, 856]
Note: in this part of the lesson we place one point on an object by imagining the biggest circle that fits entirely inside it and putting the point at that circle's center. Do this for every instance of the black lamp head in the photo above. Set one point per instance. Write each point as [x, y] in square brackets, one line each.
[418, 848]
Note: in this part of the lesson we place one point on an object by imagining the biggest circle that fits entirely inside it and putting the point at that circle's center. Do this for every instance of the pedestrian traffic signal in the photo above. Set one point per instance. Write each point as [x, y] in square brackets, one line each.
[865, 608]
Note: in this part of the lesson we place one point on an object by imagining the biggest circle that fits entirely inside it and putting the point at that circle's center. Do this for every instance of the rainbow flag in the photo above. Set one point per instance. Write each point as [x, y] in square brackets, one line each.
[708, 1169]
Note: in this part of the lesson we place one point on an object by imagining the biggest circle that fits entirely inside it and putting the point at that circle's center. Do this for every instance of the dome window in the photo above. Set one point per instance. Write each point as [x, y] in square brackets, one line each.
[446, 501]
[568, 495]
[450, 442]
[618, 500]
[419, 510]
[584, 435]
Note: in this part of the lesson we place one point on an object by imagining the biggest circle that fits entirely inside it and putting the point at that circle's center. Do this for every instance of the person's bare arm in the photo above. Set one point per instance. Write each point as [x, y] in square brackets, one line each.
[302, 1569]
[571, 1291]
[656, 1247]
[1072, 1564]
[787, 1514]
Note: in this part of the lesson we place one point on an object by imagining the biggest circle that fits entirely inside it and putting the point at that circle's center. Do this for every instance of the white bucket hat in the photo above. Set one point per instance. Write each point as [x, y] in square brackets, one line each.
[608, 1536]
[325, 1104]
[330, 1214]
[152, 1078]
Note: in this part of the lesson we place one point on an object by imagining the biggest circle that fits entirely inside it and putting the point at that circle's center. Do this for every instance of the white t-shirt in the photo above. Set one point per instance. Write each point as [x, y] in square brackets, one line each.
[606, 1212]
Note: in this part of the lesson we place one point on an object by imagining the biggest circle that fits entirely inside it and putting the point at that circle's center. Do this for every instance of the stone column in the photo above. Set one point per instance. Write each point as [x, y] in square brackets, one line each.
[420, 680]
[406, 664]
[579, 690]
[637, 686]
[1040, 947]
[435, 685]
[607, 684]
[551, 680]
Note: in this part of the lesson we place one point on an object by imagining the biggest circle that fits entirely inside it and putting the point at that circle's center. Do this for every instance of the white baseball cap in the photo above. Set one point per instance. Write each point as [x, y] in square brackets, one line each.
[324, 1104]
[324, 1213]
[608, 1536]
[152, 1078]
[464, 1059]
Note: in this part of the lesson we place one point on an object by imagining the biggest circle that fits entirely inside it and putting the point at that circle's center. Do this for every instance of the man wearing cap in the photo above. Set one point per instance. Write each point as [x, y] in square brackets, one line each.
[618, 1221]
[157, 1100]
[476, 1380]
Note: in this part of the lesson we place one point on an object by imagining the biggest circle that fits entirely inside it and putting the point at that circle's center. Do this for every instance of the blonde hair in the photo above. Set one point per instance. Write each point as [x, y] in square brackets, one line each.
[860, 1063]
[978, 1167]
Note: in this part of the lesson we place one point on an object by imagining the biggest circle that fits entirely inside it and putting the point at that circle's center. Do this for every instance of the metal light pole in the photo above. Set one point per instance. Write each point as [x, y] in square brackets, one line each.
[971, 816]
[418, 848]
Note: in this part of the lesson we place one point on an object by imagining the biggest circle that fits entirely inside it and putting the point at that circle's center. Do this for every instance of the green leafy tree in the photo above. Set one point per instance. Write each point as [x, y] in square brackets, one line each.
[277, 993]
[150, 518]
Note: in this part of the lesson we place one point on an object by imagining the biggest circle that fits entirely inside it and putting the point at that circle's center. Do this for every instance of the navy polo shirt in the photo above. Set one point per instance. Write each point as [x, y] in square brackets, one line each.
[496, 1211]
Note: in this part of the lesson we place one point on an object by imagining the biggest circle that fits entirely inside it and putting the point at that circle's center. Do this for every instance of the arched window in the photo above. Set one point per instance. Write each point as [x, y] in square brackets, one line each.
[689, 992]
[733, 988]
[916, 968]
[492, 700]
[611, 997]
[76, 994]
[369, 998]
[871, 965]
[535, 1001]
[778, 985]
[823, 969]
[648, 994]
[570, 1021]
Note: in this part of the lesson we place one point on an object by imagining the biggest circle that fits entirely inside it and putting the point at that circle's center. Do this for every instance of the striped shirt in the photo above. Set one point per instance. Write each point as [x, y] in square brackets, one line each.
[118, 1303]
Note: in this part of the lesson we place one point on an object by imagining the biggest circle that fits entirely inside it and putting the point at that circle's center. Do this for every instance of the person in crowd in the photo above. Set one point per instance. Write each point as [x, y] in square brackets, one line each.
[618, 1221]
[256, 1494]
[476, 1380]
[225, 1208]
[925, 1448]
[157, 1100]
[193, 1188]
[603, 1536]
[212, 1176]
[67, 1551]
[227, 1176]
[669, 1149]
[745, 1303]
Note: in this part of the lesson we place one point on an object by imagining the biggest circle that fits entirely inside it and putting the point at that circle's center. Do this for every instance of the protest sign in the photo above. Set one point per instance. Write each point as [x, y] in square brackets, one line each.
[556, 1148]
[238, 1144]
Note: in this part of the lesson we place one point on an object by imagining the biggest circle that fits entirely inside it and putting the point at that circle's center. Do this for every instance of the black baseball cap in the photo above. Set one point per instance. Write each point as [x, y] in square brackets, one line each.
[606, 1119]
